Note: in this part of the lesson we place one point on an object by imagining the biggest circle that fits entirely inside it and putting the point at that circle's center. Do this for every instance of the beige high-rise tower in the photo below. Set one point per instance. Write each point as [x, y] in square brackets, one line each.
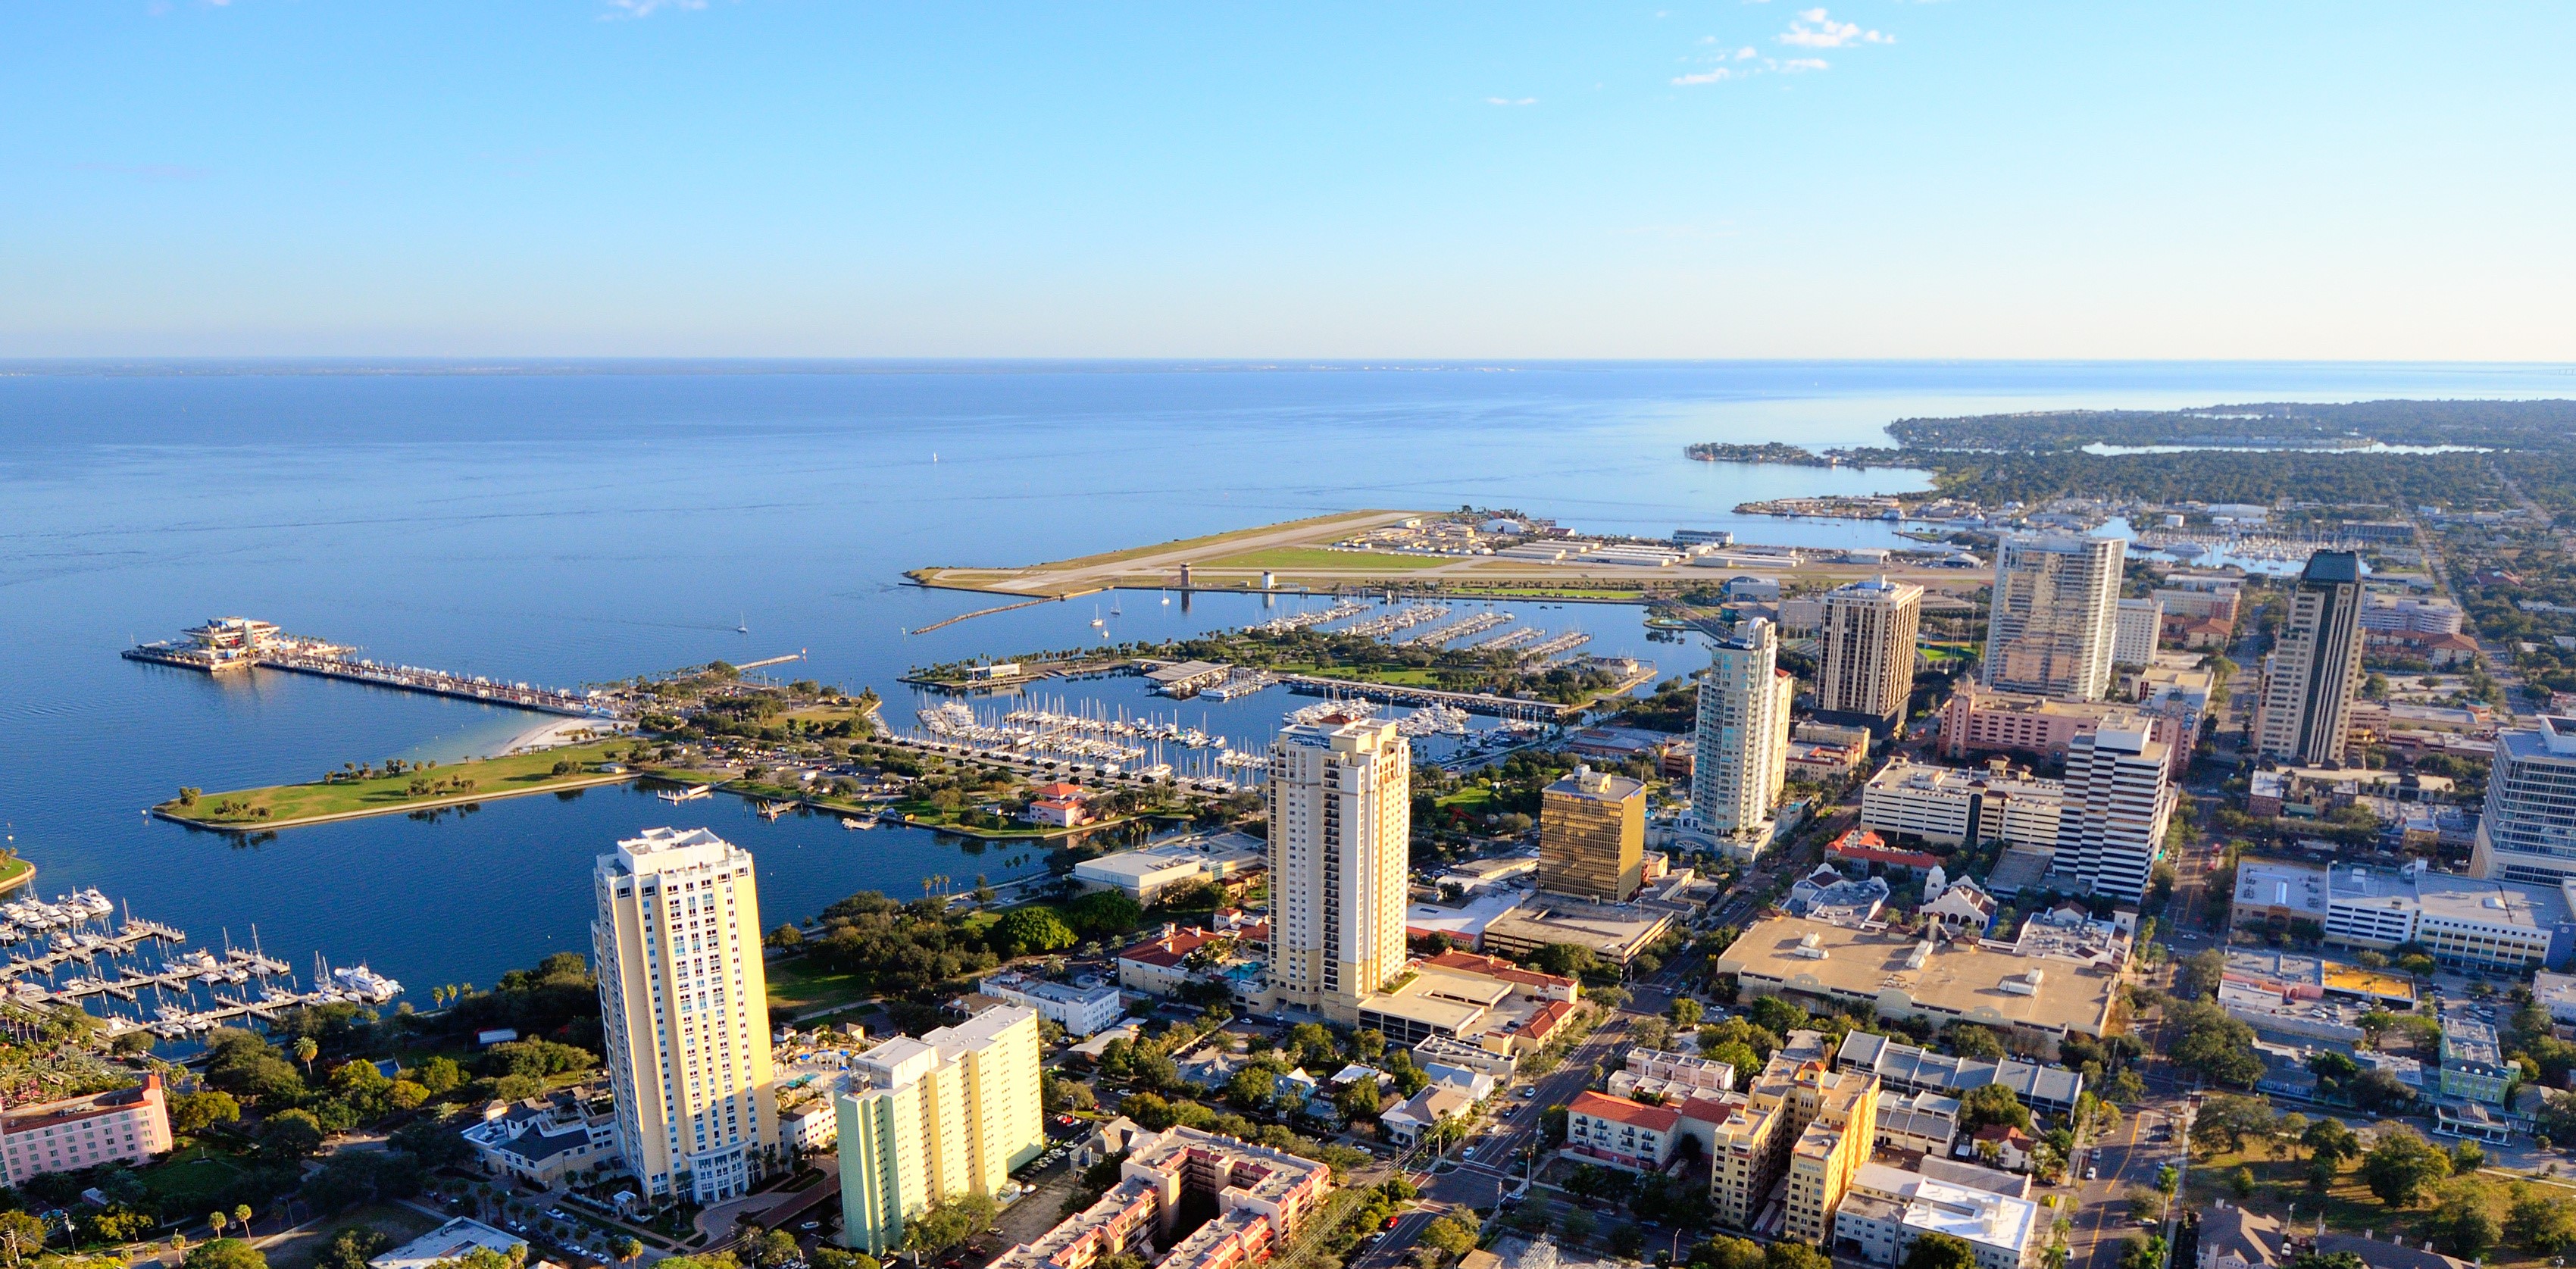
[2305, 710]
[1341, 827]
[2054, 616]
[1866, 673]
[685, 1009]
[1592, 836]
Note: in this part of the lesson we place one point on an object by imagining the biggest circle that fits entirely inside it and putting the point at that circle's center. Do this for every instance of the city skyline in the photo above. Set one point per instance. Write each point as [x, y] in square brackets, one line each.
[1868, 179]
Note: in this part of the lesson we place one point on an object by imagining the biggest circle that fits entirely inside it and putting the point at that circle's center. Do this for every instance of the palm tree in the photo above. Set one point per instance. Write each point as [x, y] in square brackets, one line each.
[305, 1051]
[215, 1221]
[628, 1248]
[241, 1216]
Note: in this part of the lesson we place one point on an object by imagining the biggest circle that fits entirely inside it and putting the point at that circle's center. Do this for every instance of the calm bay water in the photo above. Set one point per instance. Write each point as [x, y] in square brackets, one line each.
[571, 524]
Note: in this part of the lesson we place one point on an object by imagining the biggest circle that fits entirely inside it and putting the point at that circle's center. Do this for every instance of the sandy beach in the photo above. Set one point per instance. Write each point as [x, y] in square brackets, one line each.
[560, 731]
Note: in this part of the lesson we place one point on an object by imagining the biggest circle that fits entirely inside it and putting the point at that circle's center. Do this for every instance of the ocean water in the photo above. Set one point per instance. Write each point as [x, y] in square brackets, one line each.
[572, 523]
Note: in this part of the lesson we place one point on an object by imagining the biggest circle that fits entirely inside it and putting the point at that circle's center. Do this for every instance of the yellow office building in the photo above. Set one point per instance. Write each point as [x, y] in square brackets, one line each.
[1592, 836]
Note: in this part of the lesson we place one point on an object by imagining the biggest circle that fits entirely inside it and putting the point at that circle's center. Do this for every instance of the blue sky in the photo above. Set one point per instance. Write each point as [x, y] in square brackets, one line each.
[760, 177]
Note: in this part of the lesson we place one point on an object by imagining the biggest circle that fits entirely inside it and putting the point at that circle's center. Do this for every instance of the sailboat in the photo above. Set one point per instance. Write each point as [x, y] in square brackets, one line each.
[1113, 609]
[1095, 616]
[744, 625]
[1167, 599]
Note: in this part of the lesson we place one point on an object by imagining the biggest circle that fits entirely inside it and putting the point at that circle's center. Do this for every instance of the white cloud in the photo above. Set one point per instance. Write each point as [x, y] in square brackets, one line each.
[1711, 76]
[1797, 64]
[1813, 29]
[1745, 53]
[1511, 101]
[645, 8]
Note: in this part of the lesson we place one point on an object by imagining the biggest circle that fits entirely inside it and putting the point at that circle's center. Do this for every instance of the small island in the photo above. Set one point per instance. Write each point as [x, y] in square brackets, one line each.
[1766, 452]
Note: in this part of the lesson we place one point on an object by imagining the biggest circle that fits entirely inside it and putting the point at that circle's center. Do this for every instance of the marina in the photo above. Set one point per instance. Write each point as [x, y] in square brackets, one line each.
[187, 991]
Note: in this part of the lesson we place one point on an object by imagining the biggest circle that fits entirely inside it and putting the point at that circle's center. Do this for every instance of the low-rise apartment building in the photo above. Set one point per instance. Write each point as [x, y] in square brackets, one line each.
[544, 1139]
[1081, 1011]
[1261, 1199]
[1890, 1209]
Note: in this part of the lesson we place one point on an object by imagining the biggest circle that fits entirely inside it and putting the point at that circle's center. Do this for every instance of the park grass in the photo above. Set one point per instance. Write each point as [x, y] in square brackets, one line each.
[1392, 676]
[300, 1248]
[14, 870]
[1470, 798]
[2350, 1207]
[797, 985]
[492, 777]
[190, 1179]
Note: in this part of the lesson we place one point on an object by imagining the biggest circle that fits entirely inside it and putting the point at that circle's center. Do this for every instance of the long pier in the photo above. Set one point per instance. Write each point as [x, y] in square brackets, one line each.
[301, 656]
[439, 683]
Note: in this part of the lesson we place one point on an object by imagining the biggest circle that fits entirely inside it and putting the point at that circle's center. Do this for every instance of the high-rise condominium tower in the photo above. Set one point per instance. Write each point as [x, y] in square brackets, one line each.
[685, 1007]
[1592, 836]
[1743, 758]
[922, 1120]
[2053, 618]
[2111, 827]
[2528, 833]
[1867, 671]
[2310, 675]
[1341, 824]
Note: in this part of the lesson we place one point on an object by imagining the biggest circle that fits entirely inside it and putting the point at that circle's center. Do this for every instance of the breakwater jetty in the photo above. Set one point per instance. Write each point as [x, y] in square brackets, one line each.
[225, 645]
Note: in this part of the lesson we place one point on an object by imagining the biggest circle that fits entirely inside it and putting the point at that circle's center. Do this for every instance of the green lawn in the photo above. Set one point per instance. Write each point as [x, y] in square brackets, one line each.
[190, 1178]
[797, 985]
[518, 773]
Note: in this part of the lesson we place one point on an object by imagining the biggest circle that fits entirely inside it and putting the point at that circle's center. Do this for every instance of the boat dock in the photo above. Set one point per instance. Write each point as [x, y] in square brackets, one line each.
[1472, 702]
[72, 930]
[1458, 629]
[86, 948]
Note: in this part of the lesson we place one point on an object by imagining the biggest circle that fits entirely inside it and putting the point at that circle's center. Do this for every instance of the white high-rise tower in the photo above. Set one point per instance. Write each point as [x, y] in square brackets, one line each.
[685, 1007]
[1341, 828]
[2111, 826]
[1742, 762]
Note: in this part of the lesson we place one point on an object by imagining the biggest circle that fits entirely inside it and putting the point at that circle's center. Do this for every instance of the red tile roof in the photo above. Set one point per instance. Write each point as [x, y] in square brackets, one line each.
[1547, 1018]
[1868, 847]
[1710, 1110]
[1168, 952]
[1059, 790]
[1621, 1110]
[1496, 967]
